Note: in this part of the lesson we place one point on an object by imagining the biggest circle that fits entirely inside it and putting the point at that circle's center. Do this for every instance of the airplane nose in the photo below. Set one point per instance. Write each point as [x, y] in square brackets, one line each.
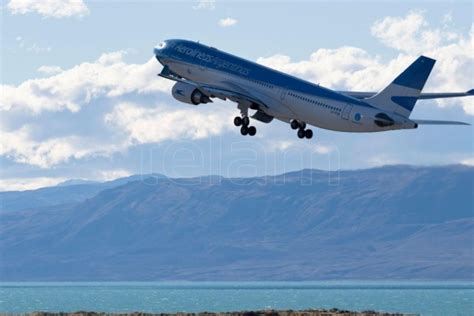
[159, 54]
[159, 49]
[156, 51]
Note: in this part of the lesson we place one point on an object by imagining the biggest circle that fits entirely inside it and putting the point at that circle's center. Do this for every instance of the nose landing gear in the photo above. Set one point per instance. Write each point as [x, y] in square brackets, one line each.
[244, 123]
[302, 131]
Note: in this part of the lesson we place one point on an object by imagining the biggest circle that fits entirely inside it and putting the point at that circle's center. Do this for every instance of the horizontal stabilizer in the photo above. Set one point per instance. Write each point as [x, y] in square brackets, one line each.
[423, 96]
[434, 122]
[441, 95]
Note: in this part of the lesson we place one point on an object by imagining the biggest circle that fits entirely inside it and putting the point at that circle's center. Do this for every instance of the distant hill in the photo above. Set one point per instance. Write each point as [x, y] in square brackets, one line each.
[67, 192]
[395, 222]
[76, 182]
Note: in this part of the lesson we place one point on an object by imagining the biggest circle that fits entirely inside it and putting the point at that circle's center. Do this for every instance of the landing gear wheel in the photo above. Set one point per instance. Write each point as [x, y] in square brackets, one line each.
[294, 124]
[308, 134]
[246, 121]
[238, 121]
[244, 130]
[301, 133]
[252, 130]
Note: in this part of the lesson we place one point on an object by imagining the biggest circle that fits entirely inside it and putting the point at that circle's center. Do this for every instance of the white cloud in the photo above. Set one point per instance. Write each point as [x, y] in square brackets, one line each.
[21, 184]
[20, 146]
[159, 124]
[282, 145]
[37, 49]
[468, 162]
[342, 67]
[33, 136]
[49, 70]
[108, 175]
[226, 22]
[125, 126]
[205, 5]
[109, 76]
[298, 145]
[49, 8]
[33, 47]
[322, 149]
[410, 34]
[382, 160]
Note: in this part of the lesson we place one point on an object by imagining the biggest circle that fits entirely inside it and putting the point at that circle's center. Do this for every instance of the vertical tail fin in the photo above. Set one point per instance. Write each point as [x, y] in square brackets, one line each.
[401, 95]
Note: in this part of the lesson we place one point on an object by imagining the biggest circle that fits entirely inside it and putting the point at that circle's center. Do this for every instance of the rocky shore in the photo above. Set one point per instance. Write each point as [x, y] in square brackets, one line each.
[322, 312]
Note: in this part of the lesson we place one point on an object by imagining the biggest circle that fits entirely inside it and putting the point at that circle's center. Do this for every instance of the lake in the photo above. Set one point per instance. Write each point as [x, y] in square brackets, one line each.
[425, 298]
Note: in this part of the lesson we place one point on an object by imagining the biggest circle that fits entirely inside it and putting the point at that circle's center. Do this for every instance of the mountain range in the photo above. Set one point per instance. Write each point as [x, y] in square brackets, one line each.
[393, 222]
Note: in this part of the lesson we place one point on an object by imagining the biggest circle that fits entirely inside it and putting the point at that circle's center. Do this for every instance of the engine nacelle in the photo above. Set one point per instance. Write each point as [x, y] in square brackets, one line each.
[188, 93]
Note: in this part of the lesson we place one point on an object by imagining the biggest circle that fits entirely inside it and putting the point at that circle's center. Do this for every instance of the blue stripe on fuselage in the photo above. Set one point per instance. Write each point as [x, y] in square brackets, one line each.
[198, 54]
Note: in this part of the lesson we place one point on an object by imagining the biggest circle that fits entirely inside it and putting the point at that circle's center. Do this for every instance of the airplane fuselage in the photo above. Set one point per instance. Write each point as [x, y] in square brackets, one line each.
[288, 97]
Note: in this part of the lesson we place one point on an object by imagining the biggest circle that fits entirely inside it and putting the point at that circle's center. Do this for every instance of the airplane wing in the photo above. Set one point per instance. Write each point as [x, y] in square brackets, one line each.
[232, 95]
[434, 122]
[235, 93]
[423, 96]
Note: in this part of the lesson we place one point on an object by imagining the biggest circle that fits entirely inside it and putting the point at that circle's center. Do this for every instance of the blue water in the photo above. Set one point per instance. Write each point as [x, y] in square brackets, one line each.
[425, 298]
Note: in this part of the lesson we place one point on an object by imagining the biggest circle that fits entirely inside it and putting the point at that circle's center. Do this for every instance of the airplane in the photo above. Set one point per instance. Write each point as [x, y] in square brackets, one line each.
[203, 73]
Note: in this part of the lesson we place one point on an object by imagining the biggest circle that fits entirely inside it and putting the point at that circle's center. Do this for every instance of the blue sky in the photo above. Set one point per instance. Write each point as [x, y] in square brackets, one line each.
[80, 97]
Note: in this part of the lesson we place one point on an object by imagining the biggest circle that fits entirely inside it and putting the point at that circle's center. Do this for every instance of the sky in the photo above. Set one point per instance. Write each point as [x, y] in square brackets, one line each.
[80, 97]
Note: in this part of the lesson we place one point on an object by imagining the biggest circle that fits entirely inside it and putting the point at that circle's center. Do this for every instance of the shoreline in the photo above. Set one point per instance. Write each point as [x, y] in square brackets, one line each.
[310, 312]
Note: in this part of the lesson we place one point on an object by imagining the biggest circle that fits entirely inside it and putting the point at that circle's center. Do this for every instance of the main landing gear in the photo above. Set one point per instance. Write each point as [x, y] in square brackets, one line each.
[244, 122]
[302, 131]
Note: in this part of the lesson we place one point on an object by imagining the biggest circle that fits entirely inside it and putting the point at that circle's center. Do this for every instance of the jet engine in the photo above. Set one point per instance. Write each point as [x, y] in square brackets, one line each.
[188, 93]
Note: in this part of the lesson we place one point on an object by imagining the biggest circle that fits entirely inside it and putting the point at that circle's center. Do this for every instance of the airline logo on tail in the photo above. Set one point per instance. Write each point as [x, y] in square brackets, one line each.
[401, 95]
